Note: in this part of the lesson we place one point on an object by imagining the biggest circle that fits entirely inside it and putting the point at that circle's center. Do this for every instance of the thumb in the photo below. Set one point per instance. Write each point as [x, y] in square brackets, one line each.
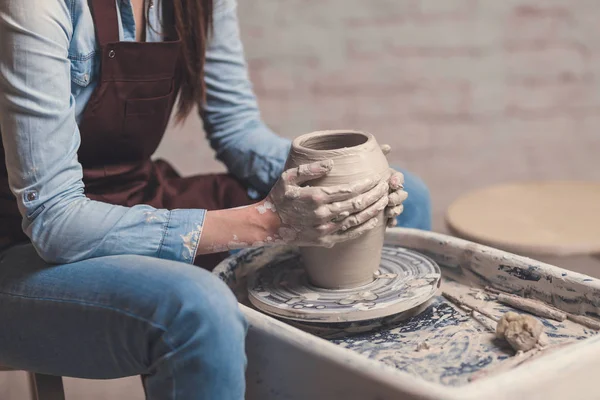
[307, 172]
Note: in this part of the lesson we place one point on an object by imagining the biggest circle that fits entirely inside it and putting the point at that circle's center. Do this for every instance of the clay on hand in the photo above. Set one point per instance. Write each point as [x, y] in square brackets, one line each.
[324, 216]
[397, 194]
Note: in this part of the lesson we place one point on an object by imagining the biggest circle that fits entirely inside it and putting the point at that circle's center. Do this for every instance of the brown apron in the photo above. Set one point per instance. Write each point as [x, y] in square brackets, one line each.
[122, 126]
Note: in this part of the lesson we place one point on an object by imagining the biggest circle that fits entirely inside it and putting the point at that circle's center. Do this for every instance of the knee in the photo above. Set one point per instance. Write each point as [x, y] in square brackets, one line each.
[417, 207]
[204, 308]
[203, 329]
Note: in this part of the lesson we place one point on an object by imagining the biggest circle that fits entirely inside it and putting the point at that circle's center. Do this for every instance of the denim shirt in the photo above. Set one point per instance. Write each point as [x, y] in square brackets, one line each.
[49, 65]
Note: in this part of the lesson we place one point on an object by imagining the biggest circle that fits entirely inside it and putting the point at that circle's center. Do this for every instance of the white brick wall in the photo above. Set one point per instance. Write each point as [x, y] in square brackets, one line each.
[468, 92]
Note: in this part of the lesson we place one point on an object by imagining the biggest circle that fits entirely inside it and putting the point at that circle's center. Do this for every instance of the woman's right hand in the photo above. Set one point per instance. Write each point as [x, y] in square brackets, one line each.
[324, 216]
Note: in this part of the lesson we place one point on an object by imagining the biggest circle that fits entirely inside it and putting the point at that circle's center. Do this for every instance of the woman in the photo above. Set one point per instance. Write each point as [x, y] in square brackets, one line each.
[97, 282]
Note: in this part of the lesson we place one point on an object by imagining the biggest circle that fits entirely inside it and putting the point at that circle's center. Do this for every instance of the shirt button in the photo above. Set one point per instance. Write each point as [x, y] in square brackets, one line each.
[111, 54]
[31, 196]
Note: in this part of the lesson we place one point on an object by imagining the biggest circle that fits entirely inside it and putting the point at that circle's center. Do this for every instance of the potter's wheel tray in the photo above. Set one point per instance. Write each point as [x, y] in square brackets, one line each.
[405, 281]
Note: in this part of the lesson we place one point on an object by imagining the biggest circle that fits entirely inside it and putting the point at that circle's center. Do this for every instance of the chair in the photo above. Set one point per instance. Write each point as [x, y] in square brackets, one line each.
[43, 387]
[559, 218]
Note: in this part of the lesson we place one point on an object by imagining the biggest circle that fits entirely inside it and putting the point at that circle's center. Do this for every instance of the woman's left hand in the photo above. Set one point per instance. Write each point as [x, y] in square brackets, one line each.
[397, 194]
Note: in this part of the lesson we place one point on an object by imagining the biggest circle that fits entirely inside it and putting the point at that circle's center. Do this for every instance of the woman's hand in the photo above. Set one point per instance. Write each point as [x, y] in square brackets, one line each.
[304, 215]
[397, 194]
[324, 216]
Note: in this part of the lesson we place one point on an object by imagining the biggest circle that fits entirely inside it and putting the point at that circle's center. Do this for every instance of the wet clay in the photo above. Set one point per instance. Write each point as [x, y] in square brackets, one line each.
[404, 281]
[356, 156]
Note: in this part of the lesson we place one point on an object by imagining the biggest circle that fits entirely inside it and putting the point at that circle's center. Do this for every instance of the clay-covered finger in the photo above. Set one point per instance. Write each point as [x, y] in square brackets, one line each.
[307, 172]
[352, 206]
[393, 212]
[341, 216]
[396, 180]
[332, 194]
[397, 197]
[355, 232]
[386, 149]
[392, 222]
[353, 220]
[365, 215]
[327, 228]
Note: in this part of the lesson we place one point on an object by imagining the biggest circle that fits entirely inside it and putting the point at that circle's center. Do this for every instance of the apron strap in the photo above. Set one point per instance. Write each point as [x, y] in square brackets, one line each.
[104, 13]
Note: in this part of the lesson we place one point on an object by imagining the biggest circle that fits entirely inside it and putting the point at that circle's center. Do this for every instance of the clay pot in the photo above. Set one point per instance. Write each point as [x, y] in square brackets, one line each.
[356, 155]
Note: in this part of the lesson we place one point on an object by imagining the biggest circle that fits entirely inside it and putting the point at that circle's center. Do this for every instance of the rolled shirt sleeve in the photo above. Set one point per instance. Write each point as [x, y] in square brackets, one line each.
[41, 138]
[242, 141]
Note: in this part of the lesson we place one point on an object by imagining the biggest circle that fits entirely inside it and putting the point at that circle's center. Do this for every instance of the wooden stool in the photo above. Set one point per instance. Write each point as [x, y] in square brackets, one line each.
[537, 218]
[43, 387]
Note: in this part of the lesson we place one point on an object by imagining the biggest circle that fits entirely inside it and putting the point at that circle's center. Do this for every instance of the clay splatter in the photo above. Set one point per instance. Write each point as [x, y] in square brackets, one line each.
[150, 216]
[190, 241]
[266, 206]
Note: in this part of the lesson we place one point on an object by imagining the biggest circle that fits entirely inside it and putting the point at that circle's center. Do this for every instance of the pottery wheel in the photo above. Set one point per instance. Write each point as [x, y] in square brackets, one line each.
[405, 280]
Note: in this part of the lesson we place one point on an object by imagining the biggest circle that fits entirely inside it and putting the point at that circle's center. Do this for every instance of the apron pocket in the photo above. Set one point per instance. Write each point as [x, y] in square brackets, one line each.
[150, 106]
[144, 125]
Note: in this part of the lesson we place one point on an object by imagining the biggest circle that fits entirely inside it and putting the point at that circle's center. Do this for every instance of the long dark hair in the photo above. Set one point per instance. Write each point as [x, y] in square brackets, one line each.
[191, 20]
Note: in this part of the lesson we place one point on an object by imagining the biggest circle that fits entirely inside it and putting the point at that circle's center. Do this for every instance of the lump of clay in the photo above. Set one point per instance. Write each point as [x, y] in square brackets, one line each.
[521, 331]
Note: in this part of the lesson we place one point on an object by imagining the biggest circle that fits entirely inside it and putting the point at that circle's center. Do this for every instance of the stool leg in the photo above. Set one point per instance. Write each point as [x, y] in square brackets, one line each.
[46, 387]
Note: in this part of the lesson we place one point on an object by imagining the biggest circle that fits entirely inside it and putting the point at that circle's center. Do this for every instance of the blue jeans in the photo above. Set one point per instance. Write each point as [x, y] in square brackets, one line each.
[417, 207]
[175, 324]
